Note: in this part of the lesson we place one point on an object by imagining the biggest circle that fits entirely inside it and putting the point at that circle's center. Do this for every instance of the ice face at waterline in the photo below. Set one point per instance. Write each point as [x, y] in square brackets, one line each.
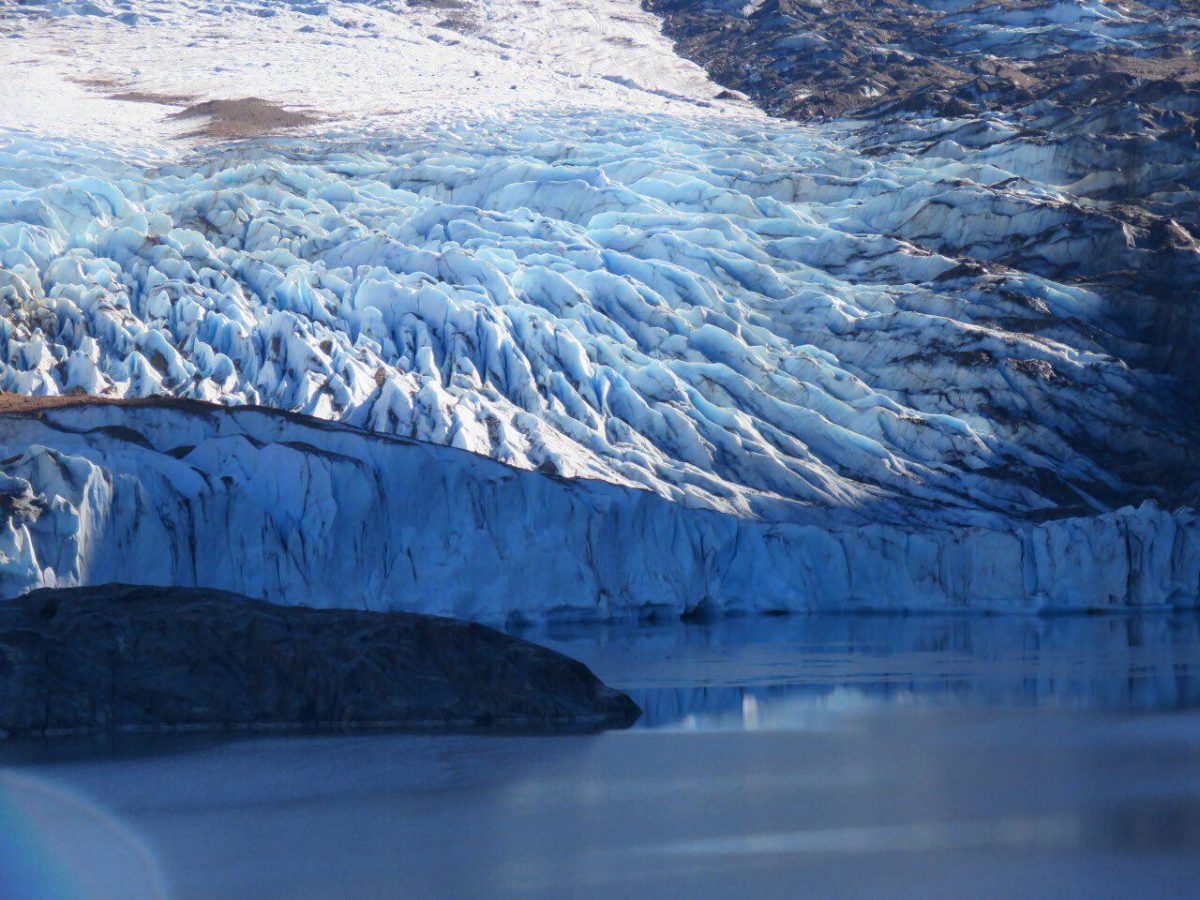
[298, 511]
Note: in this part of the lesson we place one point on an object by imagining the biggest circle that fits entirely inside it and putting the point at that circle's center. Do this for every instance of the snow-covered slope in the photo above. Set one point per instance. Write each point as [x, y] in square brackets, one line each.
[116, 69]
[297, 511]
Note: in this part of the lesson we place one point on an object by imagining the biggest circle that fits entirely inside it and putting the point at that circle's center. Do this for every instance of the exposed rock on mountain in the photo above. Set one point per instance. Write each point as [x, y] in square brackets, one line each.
[1097, 101]
[956, 57]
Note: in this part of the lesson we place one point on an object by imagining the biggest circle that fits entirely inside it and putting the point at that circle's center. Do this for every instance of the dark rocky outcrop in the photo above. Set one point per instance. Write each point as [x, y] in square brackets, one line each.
[805, 60]
[130, 658]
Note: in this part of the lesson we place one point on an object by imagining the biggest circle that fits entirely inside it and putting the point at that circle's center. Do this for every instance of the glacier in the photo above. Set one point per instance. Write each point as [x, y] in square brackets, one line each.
[569, 334]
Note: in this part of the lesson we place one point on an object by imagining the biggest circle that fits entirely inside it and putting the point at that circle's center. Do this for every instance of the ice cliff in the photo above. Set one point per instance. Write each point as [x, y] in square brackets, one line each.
[298, 511]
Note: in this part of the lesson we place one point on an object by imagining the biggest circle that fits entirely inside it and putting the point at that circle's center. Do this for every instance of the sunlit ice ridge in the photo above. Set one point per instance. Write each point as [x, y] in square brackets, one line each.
[814, 377]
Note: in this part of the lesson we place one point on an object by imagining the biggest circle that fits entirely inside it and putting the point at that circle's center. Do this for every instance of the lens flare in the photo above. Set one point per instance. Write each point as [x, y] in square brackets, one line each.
[55, 845]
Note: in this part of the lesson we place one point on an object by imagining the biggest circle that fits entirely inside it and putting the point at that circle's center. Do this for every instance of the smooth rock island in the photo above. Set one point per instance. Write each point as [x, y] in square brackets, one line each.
[138, 658]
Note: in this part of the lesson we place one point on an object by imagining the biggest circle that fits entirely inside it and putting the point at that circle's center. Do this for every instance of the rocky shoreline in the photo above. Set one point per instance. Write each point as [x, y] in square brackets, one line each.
[123, 658]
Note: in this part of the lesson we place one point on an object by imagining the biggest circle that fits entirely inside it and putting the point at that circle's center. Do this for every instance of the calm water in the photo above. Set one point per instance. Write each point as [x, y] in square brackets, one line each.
[824, 757]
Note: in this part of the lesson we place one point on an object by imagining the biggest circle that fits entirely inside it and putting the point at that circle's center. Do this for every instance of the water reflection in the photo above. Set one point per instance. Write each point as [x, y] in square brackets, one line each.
[781, 673]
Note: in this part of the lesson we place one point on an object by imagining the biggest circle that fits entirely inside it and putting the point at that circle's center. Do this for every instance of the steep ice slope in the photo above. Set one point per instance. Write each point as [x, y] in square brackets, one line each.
[297, 511]
[718, 314]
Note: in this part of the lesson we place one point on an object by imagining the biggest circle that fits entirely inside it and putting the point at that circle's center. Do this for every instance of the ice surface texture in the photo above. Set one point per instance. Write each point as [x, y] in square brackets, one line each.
[748, 319]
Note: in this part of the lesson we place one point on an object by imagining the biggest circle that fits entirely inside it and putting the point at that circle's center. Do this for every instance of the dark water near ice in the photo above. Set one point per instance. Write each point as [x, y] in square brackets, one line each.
[824, 757]
[780, 672]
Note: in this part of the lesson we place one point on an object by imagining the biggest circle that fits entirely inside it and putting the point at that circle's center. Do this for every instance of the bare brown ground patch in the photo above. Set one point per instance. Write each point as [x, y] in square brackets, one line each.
[244, 118]
[151, 97]
[102, 84]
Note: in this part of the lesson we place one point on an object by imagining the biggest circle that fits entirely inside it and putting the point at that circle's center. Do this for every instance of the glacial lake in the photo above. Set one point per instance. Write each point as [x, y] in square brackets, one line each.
[777, 757]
